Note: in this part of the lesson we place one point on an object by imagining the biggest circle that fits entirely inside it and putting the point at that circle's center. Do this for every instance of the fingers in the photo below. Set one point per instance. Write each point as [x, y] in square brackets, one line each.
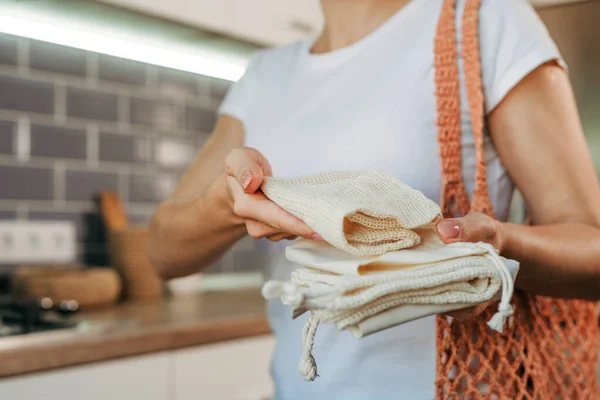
[281, 236]
[469, 313]
[474, 227]
[464, 315]
[248, 166]
[258, 208]
[259, 230]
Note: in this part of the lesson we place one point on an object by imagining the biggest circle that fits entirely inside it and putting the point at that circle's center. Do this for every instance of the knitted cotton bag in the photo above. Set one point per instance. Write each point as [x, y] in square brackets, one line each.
[355, 281]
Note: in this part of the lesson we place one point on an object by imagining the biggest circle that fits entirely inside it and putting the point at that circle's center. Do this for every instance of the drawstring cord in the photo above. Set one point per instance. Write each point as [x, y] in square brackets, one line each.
[307, 365]
[505, 309]
[292, 294]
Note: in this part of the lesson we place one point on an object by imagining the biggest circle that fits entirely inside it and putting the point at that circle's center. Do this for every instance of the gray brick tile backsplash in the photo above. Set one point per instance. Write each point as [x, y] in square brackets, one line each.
[150, 189]
[25, 183]
[219, 88]
[8, 50]
[7, 137]
[92, 104]
[82, 155]
[85, 186]
[26, 95]
[120, 70]
[176, 82]
[163, 114]
[216, 268]
[139, 219]
[7, 215]
[58, 142]
[199, 119]
[54, 58]
[247, 261]
[174, 153]
[124, 148]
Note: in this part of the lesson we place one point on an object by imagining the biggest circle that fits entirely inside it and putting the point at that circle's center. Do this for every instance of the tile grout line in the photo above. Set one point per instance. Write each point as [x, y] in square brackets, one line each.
[22, 56]
[91, 68]
[60, 100]
[22, 212]
[147, 92]
[124, 110]
[123, 186]
[93, 145]
[59, 182]
[138, 130]
[112, 167]
[23, 142]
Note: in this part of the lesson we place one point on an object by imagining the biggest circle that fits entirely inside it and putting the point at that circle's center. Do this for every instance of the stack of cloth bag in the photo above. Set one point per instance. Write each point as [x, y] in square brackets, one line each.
[382, 263]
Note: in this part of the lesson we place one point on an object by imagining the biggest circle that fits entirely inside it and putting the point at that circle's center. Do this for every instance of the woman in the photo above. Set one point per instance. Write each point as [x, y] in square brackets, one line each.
[361, 96]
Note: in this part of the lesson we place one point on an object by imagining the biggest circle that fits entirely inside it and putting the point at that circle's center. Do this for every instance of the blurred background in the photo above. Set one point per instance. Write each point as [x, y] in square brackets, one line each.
[103, 104]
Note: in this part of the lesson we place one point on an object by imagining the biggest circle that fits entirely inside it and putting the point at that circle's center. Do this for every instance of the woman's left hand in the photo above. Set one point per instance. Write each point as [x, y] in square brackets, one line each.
[474, 227]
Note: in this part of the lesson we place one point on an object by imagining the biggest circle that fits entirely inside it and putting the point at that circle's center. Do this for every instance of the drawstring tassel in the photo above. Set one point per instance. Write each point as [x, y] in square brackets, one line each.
[505, 310]
[498, 321]
[290, 293]
[307, 365]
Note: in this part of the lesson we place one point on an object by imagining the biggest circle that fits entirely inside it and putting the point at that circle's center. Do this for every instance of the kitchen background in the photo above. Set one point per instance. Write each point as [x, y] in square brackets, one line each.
[75, 122]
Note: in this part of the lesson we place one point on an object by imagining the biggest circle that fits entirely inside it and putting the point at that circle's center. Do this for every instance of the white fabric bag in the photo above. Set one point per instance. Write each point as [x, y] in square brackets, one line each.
[355, 281]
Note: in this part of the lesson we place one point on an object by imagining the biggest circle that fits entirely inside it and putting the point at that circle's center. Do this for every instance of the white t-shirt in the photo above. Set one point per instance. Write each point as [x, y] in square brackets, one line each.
[372, 105]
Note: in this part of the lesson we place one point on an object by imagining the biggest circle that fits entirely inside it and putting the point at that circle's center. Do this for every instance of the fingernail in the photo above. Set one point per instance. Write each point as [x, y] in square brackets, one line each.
[448, 229]
[318, 237]
[246, 179]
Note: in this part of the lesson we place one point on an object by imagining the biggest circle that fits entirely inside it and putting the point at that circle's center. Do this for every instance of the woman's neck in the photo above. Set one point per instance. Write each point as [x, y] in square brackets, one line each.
[347, 21]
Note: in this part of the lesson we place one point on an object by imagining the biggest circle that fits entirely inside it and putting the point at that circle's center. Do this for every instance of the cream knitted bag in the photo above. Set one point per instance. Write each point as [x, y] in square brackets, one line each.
[363, 213]
[383, 263]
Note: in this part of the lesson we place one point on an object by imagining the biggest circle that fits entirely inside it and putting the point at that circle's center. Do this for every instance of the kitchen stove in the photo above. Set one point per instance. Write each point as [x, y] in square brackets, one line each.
[23, 316]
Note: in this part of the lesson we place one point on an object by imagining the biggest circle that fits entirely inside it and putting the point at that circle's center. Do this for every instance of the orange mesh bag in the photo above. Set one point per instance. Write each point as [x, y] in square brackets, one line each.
[549, 348]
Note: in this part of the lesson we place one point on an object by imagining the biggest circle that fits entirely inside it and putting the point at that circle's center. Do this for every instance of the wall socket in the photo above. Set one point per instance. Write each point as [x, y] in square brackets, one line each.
[37, 242]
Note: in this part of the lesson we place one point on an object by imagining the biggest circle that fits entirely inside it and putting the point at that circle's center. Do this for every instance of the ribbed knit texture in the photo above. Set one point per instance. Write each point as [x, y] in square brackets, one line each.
[365, 213]
[383, 257]
[549, 349]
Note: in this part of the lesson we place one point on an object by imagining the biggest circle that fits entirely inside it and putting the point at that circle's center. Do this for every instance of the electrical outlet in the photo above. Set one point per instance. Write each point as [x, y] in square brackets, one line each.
[37, 242]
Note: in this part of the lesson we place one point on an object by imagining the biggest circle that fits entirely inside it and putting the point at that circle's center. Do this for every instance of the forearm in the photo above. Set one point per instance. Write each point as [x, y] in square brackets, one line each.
[559, 260]
[188, 235]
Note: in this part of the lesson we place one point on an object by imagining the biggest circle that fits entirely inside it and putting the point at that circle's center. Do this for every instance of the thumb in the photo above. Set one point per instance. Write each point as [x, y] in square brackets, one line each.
[474, 227]
[248, 166]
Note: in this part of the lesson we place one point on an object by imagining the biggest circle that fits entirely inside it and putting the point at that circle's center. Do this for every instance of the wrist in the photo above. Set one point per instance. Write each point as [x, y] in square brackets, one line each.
[500, 237]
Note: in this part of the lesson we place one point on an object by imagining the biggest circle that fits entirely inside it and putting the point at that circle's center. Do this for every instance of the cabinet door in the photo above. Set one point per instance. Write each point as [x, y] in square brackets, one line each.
[209, 14]
[272, 22]
[145, 377]
[236, 370]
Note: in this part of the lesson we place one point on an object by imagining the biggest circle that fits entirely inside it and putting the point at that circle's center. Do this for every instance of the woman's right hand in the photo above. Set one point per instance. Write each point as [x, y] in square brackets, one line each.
[245, 168]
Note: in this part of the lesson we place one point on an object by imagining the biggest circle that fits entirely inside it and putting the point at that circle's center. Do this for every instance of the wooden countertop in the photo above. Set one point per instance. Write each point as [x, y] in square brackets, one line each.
[137, 328]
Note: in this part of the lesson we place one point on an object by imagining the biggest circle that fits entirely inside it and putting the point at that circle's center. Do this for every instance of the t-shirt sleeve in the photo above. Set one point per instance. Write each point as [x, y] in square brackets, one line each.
[238, 100]
[514, 41]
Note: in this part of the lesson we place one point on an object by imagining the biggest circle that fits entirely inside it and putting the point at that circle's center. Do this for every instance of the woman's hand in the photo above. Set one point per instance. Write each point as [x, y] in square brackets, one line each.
[246, 168]
[474, 227]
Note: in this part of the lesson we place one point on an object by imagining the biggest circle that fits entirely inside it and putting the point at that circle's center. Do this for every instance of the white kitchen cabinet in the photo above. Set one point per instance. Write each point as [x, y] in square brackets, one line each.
[268, 22]
[273, 21]
[207, 14]
[143, 377]
[231, 370]
[236, 370]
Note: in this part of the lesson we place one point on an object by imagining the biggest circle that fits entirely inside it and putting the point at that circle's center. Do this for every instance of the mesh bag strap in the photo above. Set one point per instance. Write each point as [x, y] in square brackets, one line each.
[549, 350]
